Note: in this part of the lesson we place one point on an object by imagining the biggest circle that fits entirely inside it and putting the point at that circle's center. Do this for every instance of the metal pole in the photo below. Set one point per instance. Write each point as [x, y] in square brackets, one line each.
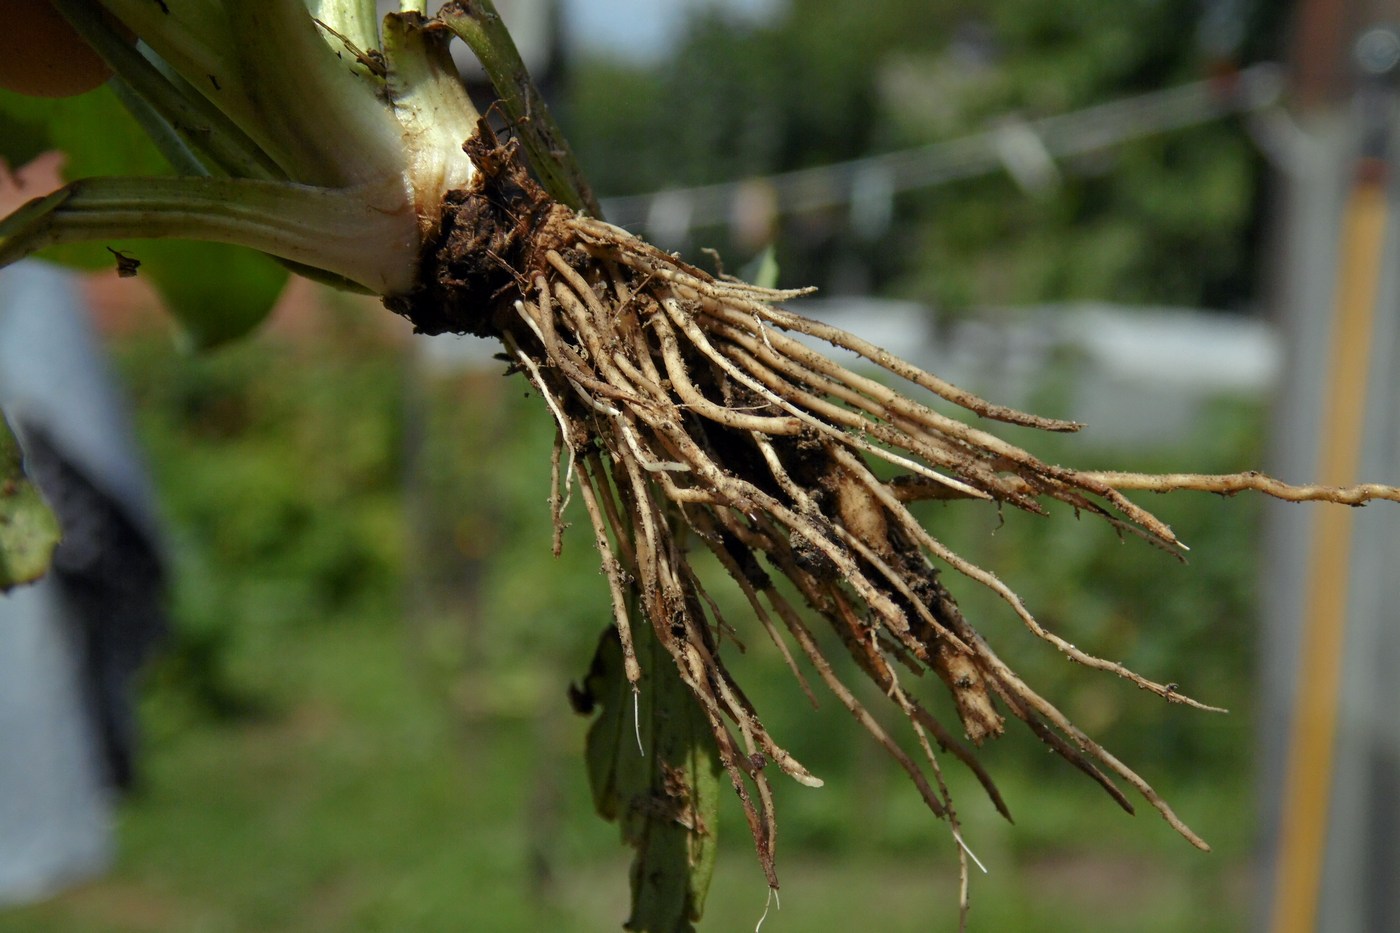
[1324, 789]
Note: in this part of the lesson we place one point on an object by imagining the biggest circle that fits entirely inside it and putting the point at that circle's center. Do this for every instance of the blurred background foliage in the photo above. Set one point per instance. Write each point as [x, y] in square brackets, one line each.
[316, 763]
[1168, 220]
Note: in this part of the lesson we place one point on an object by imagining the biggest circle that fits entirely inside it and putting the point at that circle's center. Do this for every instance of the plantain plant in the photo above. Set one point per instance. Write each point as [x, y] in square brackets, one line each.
[692, 413]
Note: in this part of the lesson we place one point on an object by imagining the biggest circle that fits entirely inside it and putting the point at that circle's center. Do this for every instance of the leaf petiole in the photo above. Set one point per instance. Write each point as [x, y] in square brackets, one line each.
[349, 232]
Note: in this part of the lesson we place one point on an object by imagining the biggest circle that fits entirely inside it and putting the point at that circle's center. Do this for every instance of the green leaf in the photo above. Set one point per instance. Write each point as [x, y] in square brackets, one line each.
[216, 292]
[93, 129]
[21, 137]
[666, 800]
[28, 528]
[96, 134]
[762, 270]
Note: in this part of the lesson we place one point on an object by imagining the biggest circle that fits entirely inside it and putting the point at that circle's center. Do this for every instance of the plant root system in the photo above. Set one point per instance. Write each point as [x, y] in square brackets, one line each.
[689, 410]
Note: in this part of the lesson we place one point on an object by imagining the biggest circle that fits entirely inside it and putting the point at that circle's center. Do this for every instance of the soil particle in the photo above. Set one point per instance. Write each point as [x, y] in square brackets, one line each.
[486, 248]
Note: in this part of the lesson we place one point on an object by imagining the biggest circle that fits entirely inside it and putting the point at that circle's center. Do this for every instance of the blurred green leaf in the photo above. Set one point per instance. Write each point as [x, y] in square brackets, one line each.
[665, 799]
[216, 292]
[762, 270]
[93, 129]
[96, 134]
[21, 139]
[28, 529]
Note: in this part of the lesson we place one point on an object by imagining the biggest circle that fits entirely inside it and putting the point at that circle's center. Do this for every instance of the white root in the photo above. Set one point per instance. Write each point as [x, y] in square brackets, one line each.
[686, 407]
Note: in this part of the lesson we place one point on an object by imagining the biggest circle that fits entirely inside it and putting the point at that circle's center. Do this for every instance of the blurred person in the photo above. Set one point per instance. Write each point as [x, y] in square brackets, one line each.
[72, 643]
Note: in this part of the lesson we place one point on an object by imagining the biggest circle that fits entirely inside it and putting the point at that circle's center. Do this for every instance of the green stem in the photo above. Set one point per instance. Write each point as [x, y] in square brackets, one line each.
[202, 128]
[165, 137]
[347, 232]
[193, 37]
[328, 126]
[265, 65]
[480, 26]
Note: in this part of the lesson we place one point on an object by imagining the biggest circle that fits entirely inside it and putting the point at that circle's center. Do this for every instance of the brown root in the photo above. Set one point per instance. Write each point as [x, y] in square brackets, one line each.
[688, 409]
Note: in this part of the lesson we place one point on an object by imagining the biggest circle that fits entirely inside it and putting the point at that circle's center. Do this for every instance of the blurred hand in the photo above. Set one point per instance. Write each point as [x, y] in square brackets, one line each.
[40, 176]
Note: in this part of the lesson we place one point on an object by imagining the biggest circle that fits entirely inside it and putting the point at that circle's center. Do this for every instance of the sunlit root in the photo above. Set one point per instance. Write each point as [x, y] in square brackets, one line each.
[688, 411]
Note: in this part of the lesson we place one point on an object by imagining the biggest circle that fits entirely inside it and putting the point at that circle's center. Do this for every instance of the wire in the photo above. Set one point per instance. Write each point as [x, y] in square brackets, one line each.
[843, 183]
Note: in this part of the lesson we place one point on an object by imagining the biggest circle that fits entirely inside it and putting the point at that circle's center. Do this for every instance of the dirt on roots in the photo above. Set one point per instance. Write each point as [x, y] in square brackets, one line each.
[688, 410]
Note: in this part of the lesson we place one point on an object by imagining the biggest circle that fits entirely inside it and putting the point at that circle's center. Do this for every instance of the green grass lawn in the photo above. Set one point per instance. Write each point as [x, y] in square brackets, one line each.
[357, 800]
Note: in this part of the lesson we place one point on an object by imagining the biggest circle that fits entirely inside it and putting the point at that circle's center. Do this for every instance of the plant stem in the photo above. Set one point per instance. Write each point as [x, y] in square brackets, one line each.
[480, 26]
[324, 124]
[345, 231]
[170, 109]
[171, 143]
[265, 65]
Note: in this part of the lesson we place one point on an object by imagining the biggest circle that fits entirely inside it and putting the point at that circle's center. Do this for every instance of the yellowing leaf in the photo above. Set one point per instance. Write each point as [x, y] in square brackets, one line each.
[28, 528]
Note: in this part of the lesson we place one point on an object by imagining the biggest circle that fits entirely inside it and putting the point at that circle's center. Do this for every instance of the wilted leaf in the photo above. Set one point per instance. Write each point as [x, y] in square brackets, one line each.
[28, 529]
[666, 800]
